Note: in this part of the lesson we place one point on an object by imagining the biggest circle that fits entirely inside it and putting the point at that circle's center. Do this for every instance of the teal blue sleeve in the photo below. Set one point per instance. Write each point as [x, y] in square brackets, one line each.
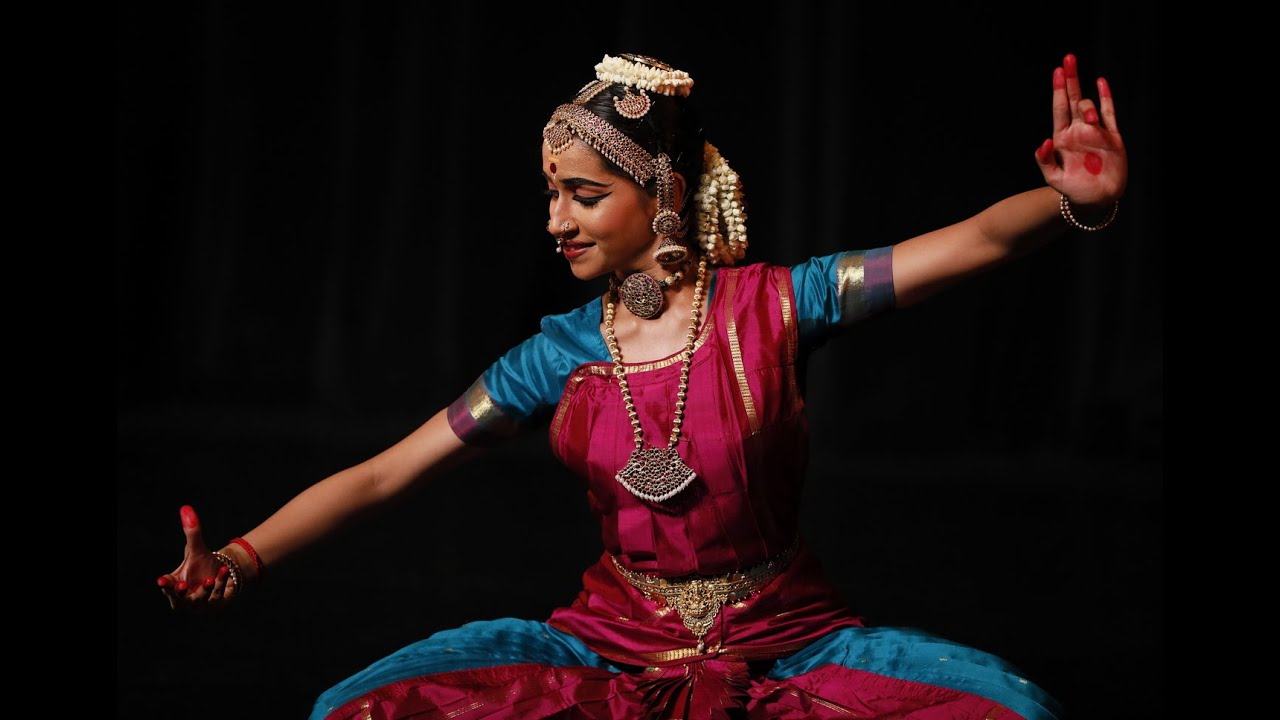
[838, 290]
[527, 381]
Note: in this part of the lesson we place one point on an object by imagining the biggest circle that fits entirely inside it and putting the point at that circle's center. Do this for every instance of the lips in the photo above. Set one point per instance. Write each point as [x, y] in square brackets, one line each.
[575, 248]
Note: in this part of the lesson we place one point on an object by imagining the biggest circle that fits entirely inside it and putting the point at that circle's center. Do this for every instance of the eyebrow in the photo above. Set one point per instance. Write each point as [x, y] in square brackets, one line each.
[577, 182]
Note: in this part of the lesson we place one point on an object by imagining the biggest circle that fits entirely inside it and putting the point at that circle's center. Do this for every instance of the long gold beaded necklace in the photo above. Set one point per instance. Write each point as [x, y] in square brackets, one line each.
[656, 473]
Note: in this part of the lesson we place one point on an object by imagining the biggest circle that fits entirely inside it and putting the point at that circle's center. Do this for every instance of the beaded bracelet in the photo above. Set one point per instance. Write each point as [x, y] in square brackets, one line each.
[233, 569]
[257, 561]
[1064, 205]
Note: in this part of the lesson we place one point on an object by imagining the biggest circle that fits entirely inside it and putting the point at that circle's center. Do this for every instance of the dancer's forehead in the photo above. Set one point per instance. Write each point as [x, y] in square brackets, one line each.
[578, 166]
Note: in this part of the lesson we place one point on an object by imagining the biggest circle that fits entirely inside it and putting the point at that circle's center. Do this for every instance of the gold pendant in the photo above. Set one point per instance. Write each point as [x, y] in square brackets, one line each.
[655, 474]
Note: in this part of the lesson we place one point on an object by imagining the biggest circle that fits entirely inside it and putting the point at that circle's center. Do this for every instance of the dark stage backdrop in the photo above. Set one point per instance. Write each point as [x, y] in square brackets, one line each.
[330, 221]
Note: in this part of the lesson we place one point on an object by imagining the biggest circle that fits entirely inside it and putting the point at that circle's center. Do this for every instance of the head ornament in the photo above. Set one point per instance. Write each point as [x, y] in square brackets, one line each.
[719, 219]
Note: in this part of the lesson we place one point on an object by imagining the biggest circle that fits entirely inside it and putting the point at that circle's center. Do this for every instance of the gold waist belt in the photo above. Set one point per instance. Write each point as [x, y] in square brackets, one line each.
[698, 598]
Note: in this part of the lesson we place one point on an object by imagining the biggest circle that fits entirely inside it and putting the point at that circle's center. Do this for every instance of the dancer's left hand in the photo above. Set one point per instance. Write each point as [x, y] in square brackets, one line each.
[1085, 159]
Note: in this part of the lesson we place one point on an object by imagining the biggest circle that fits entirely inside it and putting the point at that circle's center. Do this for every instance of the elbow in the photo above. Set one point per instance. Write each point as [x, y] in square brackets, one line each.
[377, 485]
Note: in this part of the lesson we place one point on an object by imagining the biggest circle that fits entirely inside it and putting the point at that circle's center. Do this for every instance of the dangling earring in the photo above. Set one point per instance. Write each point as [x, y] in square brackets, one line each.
[666, 224]
[670, 252]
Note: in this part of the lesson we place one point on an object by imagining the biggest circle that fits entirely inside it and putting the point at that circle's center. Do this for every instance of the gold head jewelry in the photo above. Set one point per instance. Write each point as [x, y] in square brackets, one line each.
[632, 106]
[590, 90]
[572, 119]
[635, 71]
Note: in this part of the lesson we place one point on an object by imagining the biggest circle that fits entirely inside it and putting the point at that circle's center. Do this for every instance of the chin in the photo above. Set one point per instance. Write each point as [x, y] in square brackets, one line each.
[586, 271]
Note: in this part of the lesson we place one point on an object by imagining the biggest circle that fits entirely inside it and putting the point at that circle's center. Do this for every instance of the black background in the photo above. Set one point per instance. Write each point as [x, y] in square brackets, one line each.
[330, 222]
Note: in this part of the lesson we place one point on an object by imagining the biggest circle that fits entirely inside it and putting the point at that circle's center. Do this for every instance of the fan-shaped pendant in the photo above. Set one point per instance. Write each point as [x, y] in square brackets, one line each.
[655, 474]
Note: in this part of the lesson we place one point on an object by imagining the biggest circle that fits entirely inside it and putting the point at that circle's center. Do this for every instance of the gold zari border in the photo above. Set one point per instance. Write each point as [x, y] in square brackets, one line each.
[851, 286]
[485, 412]
[731, 327]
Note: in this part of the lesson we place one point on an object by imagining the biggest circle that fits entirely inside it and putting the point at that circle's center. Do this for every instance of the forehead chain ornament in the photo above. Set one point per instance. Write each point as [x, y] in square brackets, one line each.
[639, 72]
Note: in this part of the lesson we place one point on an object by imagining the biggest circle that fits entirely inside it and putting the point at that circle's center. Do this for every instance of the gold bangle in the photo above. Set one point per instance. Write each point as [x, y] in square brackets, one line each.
[1064, 206]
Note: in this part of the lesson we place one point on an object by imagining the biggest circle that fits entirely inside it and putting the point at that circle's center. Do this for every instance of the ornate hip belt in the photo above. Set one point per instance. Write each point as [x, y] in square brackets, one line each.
[697, 599]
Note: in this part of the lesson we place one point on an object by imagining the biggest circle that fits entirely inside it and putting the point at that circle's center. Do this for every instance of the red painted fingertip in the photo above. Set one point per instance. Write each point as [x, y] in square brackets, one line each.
[208, 583]
[163, 581]
[1059, 80]
[222, 572]
[1091, 116]
[181, 586]
[189, 519]
[1045, 150]
[1069, 64]
[1093, 163]
[1104, 89]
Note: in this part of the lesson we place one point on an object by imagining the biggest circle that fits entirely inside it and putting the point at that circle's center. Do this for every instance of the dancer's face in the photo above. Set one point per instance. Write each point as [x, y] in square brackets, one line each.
[609, 216]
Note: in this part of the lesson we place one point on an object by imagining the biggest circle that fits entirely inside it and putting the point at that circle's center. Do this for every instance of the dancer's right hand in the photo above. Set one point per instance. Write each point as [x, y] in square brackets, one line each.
[200, 582]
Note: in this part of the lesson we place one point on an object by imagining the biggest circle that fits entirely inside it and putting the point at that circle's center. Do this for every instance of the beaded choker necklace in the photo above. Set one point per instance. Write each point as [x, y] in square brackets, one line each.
[656, 473]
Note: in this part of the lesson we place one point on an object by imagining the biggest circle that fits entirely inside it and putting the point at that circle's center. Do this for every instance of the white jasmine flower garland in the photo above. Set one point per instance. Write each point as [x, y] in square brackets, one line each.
[722, 214]
[644, 77]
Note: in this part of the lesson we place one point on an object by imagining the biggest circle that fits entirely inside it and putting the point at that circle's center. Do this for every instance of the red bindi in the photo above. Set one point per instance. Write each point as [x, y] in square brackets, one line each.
[553, 168]
[1093, 163]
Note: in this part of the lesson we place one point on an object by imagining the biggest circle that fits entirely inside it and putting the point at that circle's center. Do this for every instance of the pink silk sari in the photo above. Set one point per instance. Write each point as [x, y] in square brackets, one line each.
[746, 436]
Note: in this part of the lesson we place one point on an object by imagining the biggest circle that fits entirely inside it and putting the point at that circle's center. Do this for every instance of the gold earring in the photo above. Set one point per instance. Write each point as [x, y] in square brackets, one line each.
[666, 224]
[670, 252]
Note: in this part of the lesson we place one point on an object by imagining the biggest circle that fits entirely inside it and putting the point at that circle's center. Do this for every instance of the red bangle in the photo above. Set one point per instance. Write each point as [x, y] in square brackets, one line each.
[257, 561]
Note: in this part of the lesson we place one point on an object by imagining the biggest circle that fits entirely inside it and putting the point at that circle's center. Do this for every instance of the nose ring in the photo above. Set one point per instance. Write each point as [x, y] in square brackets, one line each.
[565, 226]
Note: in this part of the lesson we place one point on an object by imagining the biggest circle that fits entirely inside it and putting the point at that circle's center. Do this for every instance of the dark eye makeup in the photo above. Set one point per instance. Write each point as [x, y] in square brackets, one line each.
[587, 201]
